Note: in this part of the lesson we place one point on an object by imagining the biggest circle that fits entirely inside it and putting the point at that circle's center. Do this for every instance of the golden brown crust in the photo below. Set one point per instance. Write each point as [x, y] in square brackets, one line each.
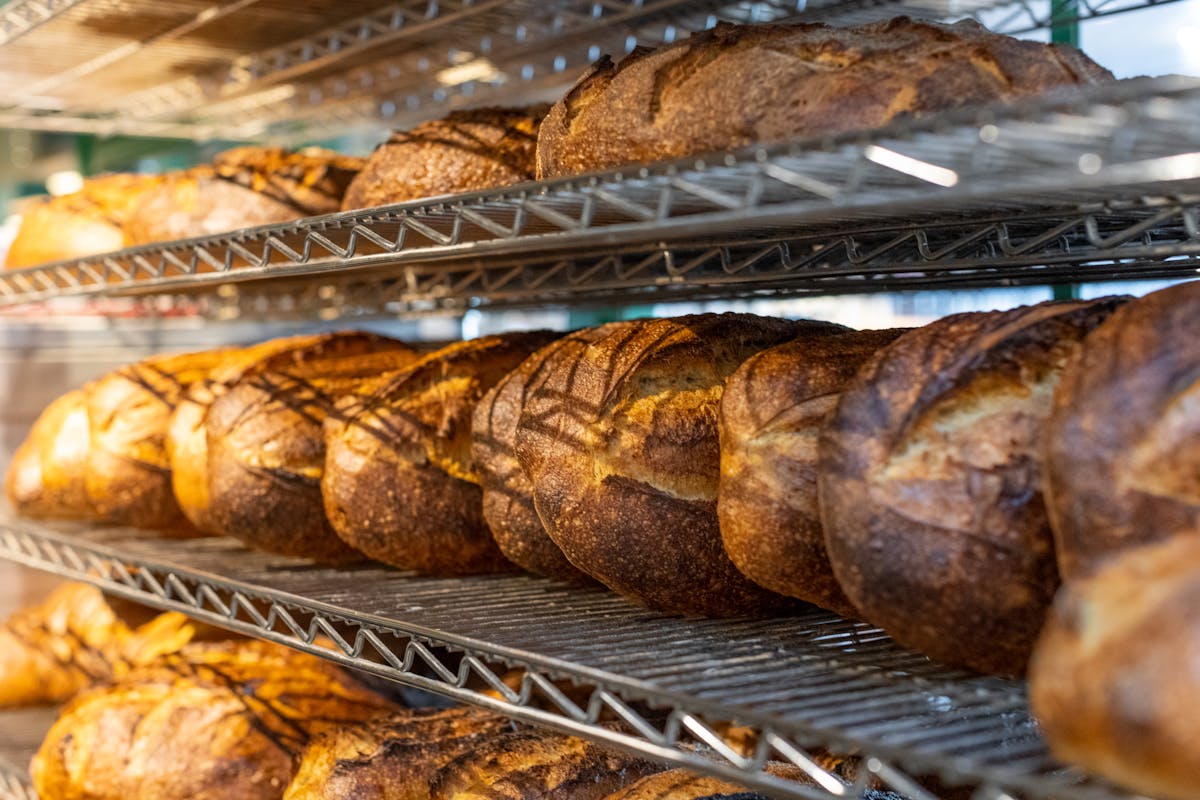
[772, 412]
[394, 758]
[1123, 440]
[46, 477]
[243, 187]
[682, 784]
[507, 493]
[1112, 681]
[218, 721]
[467, 151]
[73, 640]
[266, 449]
[128, 477]
[620, 444]
[930, 484]
[736, 85]
[400, 483]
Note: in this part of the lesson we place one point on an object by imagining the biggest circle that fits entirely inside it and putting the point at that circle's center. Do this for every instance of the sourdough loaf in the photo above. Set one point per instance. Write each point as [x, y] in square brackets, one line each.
[46, 477]
[772, 412]
[400, 483]
[930, 482]
[735, 85]
[1123, 440]
[266, 449]
[466, 151]
[620, 445]
[1113, 682]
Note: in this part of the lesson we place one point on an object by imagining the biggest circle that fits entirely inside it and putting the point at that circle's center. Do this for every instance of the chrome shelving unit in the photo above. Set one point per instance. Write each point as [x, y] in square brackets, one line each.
[21, 733]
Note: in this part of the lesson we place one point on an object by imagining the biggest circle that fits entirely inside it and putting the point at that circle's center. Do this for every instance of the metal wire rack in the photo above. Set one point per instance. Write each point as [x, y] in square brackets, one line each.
[797, 683]
[23, 730]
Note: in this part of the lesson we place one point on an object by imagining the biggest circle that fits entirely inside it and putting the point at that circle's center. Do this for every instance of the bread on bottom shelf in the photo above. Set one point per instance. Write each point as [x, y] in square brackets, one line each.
[215, 722]
[47, 475]
[400, 484]
[930, 482]
[1123, 439]
[1114, 682]
[772, 412]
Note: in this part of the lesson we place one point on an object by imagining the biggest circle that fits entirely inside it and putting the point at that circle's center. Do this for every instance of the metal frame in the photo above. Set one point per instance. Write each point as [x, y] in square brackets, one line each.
[23, 730]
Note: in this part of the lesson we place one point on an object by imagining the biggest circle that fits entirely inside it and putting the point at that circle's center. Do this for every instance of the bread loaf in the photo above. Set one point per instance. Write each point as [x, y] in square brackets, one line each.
[620, 445]
[682, 784]
[930, 482]
[1113, 680]
[467, 151]
[85, 223]
[772, 413]
[508, 506]
[217, 722]
[74, 640]
[46, 477]
[400, 484]
[187, 438]
[128, 477]
[244, 187]
[393, 758]
[1123, 440]
[266, 450]
[735, 85]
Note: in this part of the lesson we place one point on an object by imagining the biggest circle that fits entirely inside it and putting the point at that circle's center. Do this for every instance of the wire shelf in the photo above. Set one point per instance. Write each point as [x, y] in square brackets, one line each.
[23, 730]
[799, 683]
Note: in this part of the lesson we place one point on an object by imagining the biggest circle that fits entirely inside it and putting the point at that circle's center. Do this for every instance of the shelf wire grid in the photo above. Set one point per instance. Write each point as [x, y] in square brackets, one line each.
[1096, 185]
[799, 683]
[22, 733]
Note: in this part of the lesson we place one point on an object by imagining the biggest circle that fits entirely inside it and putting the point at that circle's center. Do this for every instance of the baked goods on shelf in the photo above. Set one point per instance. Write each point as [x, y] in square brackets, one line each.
[467, 151]
[266, 449]
[1123, 440]
[735, 85]
[46, 477]
[400, 483]
[620, 445]
[682, 784]
[930, 482]
[1113, 681]
[243, 187]
[772, 412]
[214, 722]
[74, 640]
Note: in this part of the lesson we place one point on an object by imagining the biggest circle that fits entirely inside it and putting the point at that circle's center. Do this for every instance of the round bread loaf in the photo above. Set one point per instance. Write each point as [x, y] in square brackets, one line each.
[215, 722]
[735, 85]
[400, 484]
[467, 151]
[930, 482]
[266, 448]
[244, 187]
[772, 413]
[1123, 440]
[1113, 681]
[508, 506]
[393, 758]
[46, 477]
[128, 477]
[620, 445]
[90, 221]
[682, 784]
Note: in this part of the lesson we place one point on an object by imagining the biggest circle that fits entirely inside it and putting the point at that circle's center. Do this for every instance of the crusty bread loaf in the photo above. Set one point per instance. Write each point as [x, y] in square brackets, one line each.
[620, 445]
[46, 477]
[508, 506]
[467, 151]
[244, 187]
[1113, 680]
[735, 85]
[128, 478]
[393, 758]
[930, 482]
[187, 438]
[84, 223]
[400, 484]
[1123, 440]
[217, 722]
[266, 450]
[682, 784]
[531, 765]
[74, 640]
[772, 413]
